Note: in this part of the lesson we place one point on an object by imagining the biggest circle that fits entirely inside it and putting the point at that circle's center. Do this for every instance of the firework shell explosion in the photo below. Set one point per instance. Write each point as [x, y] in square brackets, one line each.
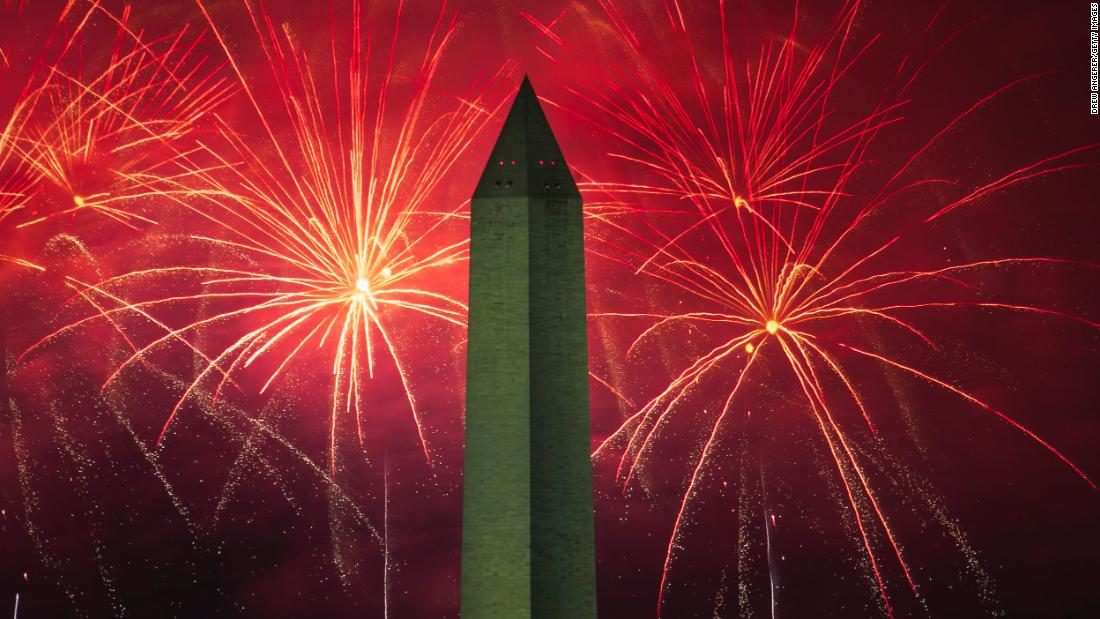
[329, 217]
[841, 292]
[760, 203]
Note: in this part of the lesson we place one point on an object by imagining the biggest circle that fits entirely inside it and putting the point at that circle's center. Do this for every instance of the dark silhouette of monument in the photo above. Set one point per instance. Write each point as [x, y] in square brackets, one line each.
[527, 541]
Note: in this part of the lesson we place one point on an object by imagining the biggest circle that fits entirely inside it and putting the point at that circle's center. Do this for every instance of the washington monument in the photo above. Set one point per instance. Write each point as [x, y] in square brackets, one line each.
[527, 530]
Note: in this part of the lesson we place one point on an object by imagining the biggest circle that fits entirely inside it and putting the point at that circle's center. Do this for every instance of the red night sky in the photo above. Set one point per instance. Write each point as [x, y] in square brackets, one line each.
[843, 294]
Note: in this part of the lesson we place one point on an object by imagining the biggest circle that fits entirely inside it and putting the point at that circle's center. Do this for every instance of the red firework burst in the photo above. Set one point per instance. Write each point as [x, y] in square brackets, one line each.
[22, 76]
[327, 225]
[100, 130]
[778, 226]
[108, 135]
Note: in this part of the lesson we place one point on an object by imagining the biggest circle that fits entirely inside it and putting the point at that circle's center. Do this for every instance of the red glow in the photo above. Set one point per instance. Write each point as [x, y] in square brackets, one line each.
[841, 264]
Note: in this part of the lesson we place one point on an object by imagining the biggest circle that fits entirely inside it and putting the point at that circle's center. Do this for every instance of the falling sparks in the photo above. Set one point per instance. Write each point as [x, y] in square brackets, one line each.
[772, 247]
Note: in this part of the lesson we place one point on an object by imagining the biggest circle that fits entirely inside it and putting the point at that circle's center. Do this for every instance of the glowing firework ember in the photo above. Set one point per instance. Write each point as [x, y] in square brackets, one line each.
[784, 251]
[330, 225]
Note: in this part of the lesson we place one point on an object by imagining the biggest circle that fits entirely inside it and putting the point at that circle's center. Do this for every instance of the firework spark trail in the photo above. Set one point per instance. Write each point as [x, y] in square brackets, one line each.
[16, 182]
[113, 144]
[744, 541]
[904, 481]
[116, 398]
[72, 445]
[336, 213]
[216, 411]
[208, 406]
[249, 452]
[698, 470]
[767, 176]
[769, 524]
[76, 448]
[83, 471]
[386, 539]
[32, 505]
